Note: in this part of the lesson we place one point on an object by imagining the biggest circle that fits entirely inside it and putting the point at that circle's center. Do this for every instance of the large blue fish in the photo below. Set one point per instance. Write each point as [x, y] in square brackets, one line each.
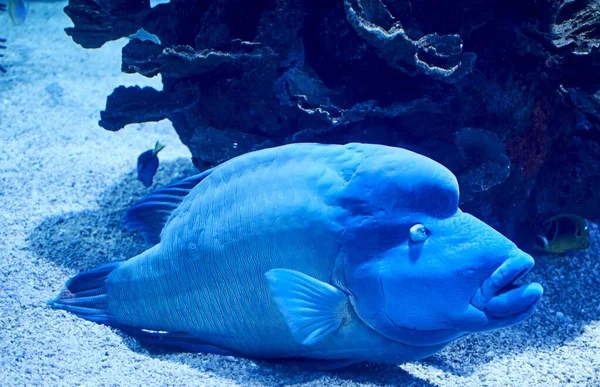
[326, 255]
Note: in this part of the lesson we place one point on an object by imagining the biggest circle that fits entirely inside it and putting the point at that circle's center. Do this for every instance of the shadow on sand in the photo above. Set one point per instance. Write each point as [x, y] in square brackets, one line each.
[87, 239]
[80, 241]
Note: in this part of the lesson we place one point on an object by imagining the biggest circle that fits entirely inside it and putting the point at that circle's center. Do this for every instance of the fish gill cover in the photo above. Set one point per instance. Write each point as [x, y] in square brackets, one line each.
[504, 93]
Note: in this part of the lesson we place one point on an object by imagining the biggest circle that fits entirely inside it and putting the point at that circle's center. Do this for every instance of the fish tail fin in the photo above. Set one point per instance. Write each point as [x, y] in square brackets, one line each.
[157, 148]
[85, 295]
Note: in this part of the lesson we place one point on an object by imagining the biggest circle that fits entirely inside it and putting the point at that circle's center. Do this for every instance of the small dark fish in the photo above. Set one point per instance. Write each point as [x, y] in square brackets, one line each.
[17, 11]
[563, 232]
[147, 164]
[2, 47]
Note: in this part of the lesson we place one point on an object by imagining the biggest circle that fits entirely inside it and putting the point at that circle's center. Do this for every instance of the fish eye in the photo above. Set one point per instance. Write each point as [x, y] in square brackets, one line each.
[418, 233]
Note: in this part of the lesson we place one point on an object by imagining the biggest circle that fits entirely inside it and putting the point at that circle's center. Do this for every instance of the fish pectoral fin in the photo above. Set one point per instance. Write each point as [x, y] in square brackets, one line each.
[312, 309]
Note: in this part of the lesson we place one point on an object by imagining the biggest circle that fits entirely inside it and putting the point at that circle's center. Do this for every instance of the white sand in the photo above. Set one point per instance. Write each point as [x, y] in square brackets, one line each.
[64, 183]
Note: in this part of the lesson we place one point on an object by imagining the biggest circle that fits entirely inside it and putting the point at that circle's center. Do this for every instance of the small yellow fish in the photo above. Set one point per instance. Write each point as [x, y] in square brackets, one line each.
[17, 11]
[563, 232]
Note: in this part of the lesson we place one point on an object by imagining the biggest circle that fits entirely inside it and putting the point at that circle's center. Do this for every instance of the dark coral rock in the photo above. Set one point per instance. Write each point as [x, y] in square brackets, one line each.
[98, 21]
[576, 25]
[375, 24]
[127, 105]
[483, 159]
[587, 103]
[220, 145]
[505, 93]
[528, 152]
[574, 177]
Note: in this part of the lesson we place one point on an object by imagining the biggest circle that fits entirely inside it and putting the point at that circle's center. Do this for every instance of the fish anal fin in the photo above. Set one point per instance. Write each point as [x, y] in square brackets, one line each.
[175, 340]
[318, 364]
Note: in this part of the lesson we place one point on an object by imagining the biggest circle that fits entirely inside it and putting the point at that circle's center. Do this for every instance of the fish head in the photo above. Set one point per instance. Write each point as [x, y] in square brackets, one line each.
[417, 269]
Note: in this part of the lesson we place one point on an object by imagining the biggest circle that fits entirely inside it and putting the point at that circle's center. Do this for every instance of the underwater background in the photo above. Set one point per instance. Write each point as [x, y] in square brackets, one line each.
[66, 180]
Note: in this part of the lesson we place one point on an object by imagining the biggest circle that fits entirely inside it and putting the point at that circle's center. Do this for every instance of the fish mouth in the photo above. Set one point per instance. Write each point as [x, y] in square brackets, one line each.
[500, 296]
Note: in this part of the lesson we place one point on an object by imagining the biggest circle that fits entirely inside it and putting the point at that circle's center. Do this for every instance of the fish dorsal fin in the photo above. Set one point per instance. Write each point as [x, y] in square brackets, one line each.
[149, 215]
[312, 309]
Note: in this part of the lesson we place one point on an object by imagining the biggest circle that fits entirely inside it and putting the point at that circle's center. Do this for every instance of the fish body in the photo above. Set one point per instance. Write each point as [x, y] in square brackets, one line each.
[17, 11]
[147, 164]
[326, 255]
[562, 233]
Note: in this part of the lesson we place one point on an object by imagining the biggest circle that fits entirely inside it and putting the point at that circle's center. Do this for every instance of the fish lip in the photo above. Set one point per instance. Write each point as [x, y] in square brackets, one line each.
[500, 296]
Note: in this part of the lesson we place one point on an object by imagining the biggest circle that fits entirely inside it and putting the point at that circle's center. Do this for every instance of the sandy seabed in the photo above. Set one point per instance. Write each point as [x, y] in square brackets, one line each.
[64, 184]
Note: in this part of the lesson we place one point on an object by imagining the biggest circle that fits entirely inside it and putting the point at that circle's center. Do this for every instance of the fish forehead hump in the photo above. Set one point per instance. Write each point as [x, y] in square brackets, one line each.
[396, 178]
